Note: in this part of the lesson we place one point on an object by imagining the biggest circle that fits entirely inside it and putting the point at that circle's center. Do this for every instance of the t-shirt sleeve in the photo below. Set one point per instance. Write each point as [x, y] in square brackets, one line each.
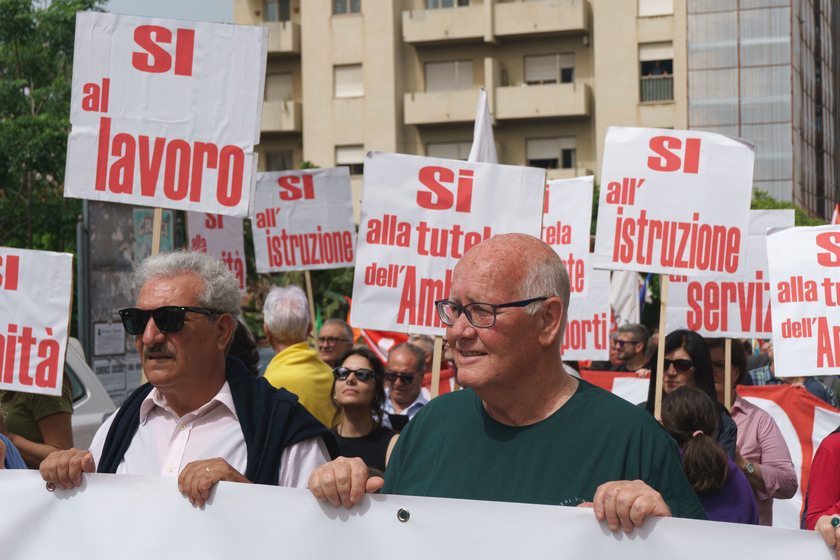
[44, 405]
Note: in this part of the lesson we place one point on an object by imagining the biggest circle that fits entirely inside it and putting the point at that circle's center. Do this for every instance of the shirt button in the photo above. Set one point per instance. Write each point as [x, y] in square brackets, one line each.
[171, 468]
[183, 427]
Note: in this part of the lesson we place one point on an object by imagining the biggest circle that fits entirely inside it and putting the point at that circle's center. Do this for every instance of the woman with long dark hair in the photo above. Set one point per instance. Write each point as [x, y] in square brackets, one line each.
[358, 394]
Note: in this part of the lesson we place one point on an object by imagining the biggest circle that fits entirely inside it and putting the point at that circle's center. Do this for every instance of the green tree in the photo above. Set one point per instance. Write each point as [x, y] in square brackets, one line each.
[36, 60]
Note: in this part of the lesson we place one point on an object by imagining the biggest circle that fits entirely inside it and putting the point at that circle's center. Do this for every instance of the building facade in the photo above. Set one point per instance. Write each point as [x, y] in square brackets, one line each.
[348, 76]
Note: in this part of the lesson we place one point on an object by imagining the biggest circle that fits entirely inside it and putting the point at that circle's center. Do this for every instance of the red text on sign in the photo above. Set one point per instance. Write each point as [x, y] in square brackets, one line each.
[709, 302]
[579, 331]
[828, 344]
[830, 241]
[289, 249]
[440, 242]
[667, 149]
[19, 352]
[441, 198]
[417, 301]
[624, 192]
[235, 264]
[797, 290]
[213, 221]
[388, 231]
[291, 190]
[95, 97]
[198, 244]
[156, 59]
[183, 166]
[385, 276]
[9, 272]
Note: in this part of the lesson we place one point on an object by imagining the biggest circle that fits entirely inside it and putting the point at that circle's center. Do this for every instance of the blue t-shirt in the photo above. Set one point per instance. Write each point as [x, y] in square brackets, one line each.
[13, 458]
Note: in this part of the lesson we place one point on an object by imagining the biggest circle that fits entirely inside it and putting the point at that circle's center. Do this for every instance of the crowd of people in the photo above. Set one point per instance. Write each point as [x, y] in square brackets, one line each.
[337, 420]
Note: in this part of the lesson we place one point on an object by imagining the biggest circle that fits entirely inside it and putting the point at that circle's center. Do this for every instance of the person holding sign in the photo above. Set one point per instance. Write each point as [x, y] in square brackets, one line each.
[202, 416]
[523, 430]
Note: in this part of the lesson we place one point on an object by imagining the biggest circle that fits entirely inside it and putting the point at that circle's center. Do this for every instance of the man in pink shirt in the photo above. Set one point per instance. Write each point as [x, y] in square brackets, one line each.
[762, 453]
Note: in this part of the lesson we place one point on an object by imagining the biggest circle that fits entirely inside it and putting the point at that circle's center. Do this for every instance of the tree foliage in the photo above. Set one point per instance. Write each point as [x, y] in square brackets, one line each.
[761, 200]
[36, 60]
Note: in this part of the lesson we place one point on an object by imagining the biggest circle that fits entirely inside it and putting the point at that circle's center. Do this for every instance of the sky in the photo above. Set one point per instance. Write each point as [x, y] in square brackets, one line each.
[198, 10]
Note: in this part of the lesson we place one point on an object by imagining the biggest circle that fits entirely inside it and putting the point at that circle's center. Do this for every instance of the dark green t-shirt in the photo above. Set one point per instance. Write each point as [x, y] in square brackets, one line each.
[453, 449]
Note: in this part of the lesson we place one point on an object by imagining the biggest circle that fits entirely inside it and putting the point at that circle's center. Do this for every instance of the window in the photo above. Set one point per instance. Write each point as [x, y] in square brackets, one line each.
[351, 156]
[279, 160]
[348, 81]
[432, 4]
[656, 66]
[278, 86]
[449, 150]
[550, 69]
[278, 10]
[551, 153]
[442, 76]
[347, 6]
[656, 8]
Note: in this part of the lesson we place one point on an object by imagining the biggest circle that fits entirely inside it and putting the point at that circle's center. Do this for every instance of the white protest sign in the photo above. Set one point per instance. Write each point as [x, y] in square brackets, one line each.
[673, 202]
[419, 216]
[567, 218]
[588, 320]
[221, 237]
[165, 113]
[303, 220]
[35, 295]
[232, 525]
[730, 306]
[805, 289]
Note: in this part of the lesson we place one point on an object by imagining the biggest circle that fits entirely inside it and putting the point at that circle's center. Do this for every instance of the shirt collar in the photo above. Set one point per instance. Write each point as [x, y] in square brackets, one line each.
[155, 401]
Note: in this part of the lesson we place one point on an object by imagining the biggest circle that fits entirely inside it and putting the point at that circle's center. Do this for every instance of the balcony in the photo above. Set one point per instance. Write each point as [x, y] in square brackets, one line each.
[656, 89]
[435, 107]
[283, 115]
[507, 19]
[443, 24]
[546, 16]
[552, 100]
[283, 37]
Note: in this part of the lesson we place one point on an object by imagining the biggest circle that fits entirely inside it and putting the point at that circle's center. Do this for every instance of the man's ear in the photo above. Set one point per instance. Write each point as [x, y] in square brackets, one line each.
[551, 317]
[225, 325]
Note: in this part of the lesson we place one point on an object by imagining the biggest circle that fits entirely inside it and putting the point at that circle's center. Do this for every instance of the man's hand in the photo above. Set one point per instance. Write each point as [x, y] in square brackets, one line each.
[64, 468]
[343, 482]
[626, 503]
[830, 533]
[198, 477]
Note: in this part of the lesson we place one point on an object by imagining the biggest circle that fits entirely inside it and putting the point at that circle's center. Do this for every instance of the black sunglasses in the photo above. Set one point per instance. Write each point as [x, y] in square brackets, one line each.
[406, 378]
[169, 319]
[680, 366]
[362, 374]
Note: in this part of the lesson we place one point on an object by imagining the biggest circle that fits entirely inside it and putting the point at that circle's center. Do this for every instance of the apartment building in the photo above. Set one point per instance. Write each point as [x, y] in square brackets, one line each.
[348, 76]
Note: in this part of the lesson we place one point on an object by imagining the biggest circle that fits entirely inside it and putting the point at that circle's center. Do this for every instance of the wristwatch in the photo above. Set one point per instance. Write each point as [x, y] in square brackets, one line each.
[749, 468]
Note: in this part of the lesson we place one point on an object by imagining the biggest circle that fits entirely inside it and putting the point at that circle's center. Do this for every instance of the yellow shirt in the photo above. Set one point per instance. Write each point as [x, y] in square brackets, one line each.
[300, 370]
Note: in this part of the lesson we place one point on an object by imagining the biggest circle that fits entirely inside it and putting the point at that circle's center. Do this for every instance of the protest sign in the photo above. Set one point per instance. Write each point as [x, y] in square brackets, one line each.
[221, 237]
[419, 216]
[730, 306]
[567, 218]
[303, 220]
[165, 113]
[35, 296]
[588, 320]
[673, 202]
[805, 293]
[232, 525]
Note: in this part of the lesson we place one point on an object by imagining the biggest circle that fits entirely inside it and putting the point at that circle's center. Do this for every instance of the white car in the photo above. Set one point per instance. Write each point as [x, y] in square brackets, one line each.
[91, 402]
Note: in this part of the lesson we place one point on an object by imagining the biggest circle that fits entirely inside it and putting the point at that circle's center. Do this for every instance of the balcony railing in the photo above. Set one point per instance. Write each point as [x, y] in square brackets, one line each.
[656, 88]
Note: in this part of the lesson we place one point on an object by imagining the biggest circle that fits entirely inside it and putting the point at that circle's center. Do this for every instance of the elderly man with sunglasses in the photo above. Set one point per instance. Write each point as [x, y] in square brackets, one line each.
[523, 430]
[404, 374]
[202, 417]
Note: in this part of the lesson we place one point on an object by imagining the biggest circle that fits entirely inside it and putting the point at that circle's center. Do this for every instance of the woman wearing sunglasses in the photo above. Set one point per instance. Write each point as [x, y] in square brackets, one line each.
[687, 364]
[358, 394]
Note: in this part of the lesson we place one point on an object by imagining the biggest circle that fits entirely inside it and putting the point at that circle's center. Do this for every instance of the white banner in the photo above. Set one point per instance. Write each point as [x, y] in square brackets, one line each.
[673, 201]
[221, 237]
[134, 517]
[165, 112]
[588, 321]
[419, 216]
[731, 306]
[806, 300]
[303, 220]
[36, 288]
[567, 218]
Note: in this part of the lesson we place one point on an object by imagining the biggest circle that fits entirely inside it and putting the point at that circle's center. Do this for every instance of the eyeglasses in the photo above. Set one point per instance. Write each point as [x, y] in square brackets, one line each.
[680, 366]
[169, 319]
[406, 378]
[480, 315]
[362, 374]
[621, 343]
[331, 340]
